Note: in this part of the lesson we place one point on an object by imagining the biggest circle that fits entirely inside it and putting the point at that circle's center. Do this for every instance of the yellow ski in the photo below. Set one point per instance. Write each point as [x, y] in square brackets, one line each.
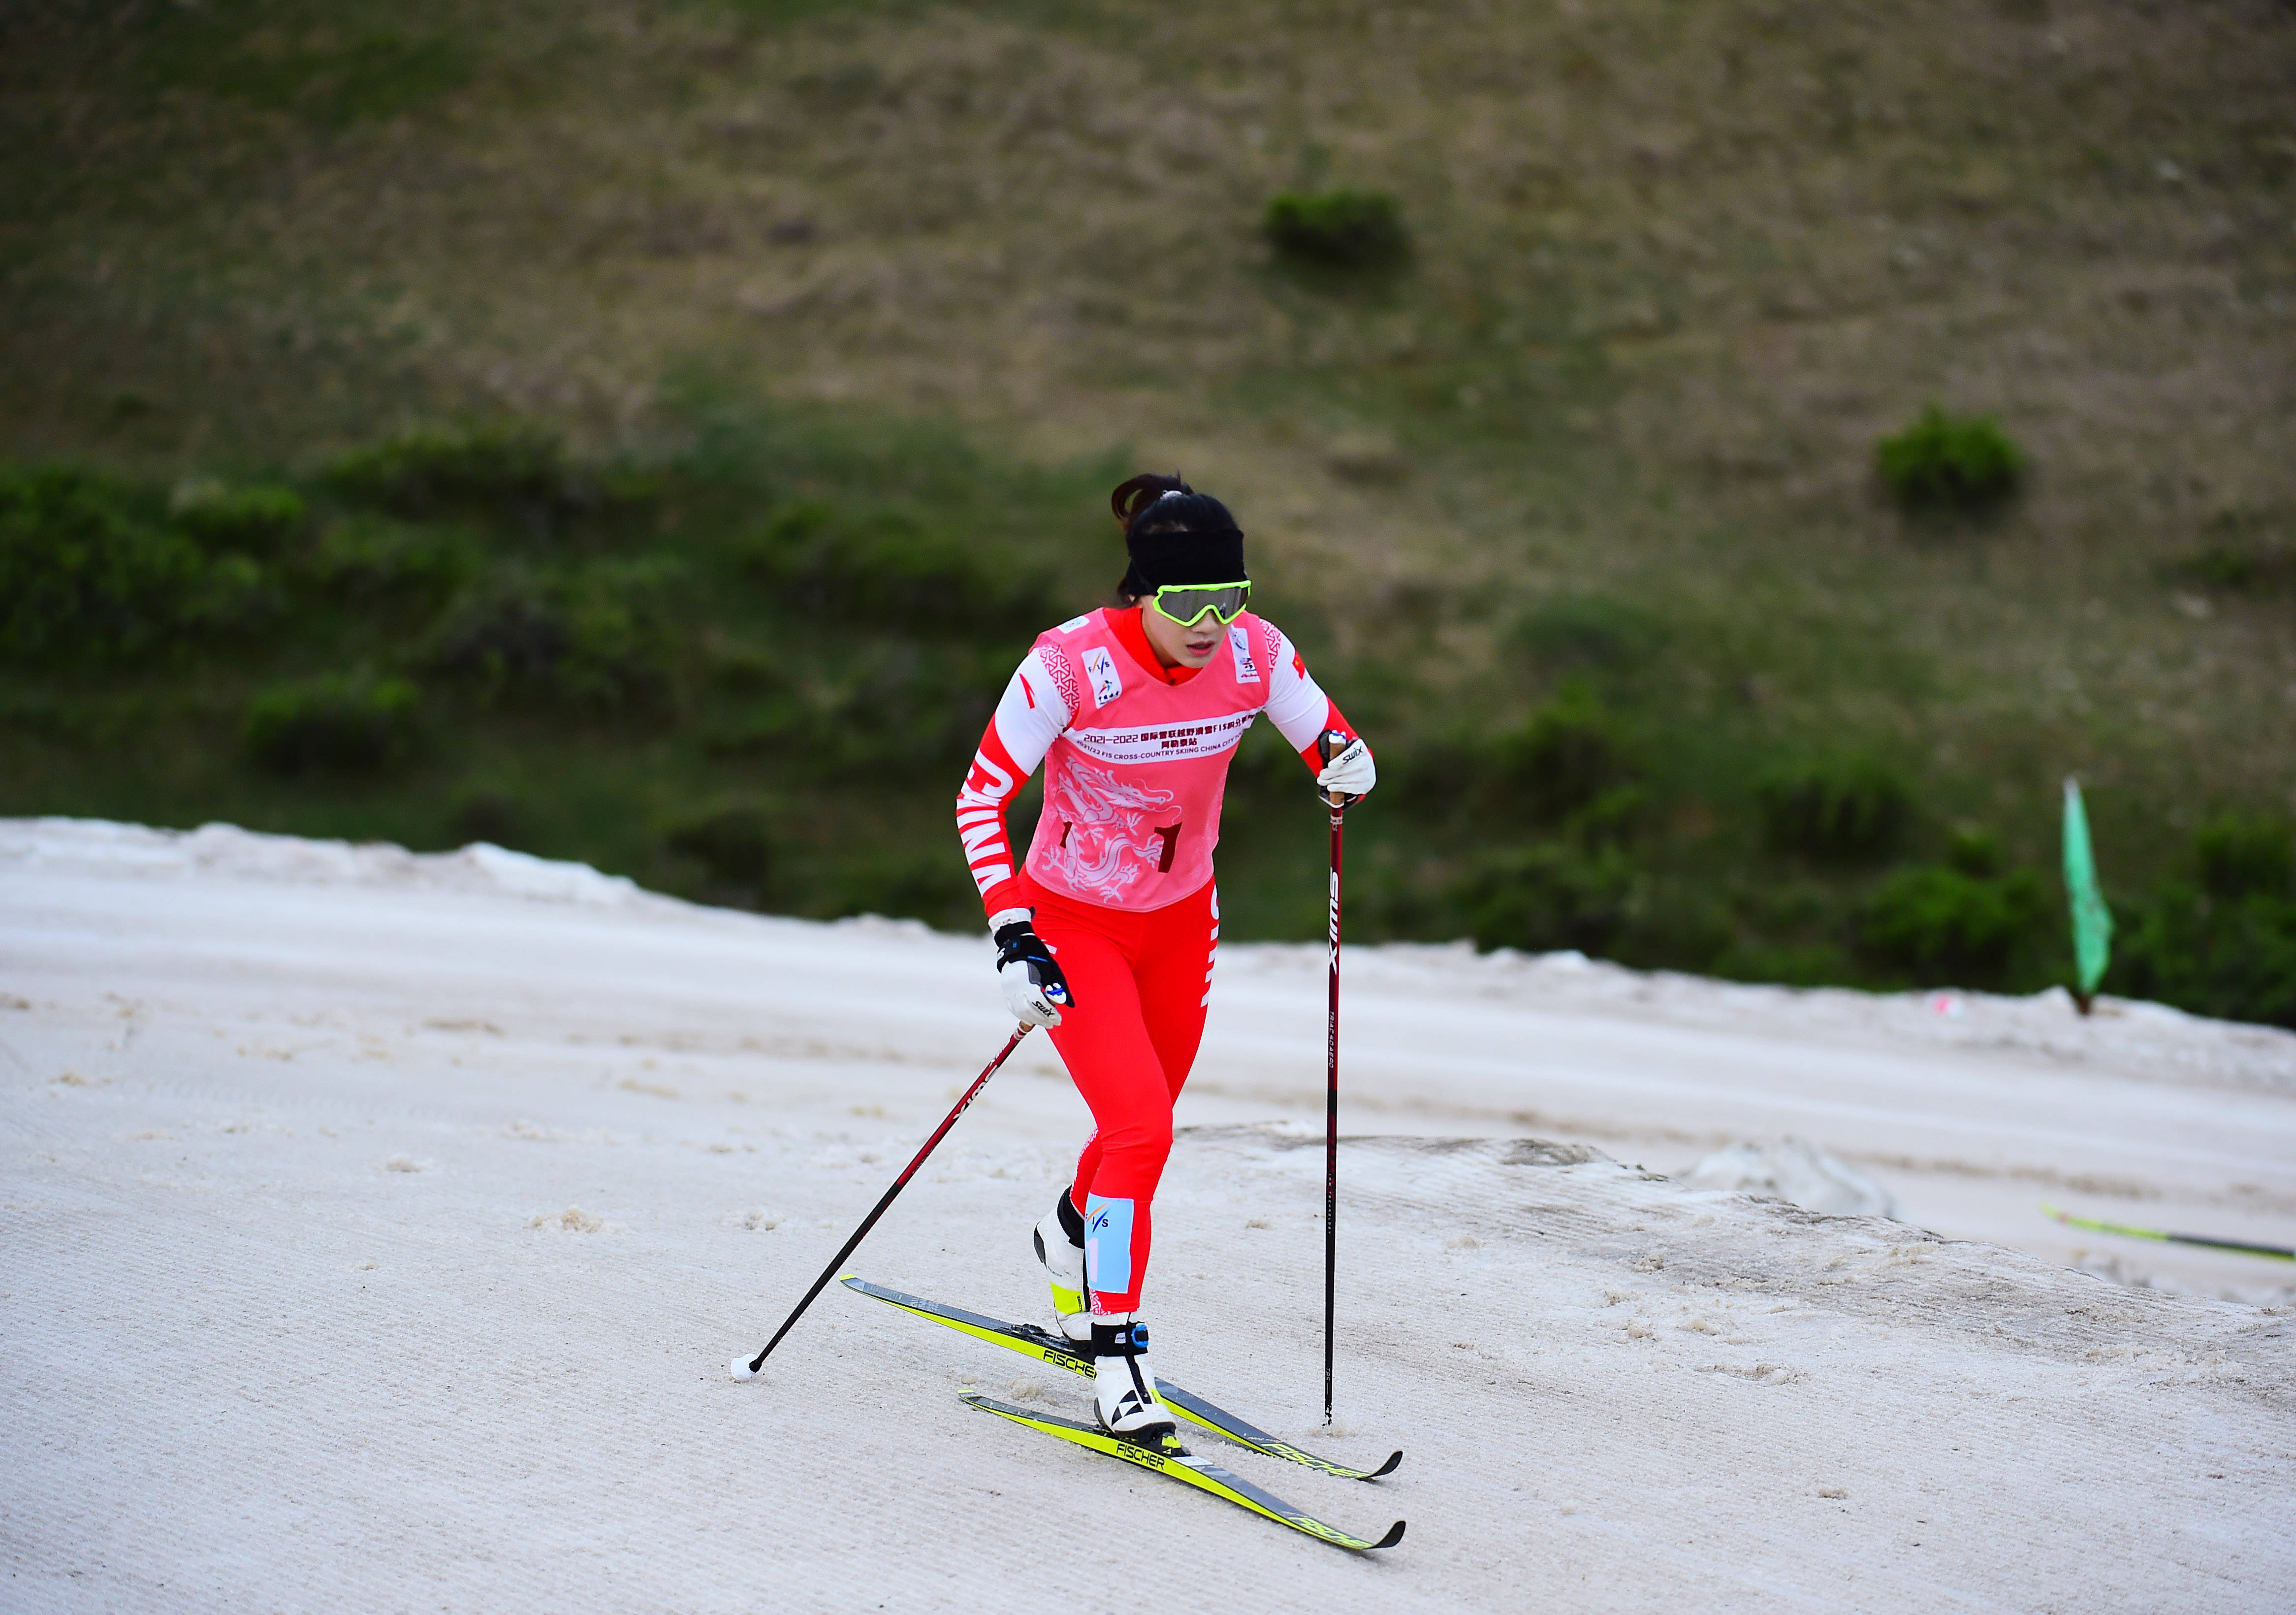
[1051, 1350]
[1169, 1457]
[2279, 1253]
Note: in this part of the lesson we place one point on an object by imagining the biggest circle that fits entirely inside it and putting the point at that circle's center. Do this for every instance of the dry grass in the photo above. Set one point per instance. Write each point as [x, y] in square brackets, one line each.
[1677, 268]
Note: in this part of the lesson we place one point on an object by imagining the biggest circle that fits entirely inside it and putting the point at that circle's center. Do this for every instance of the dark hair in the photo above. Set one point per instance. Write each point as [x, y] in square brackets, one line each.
[1180, 537]
[1136, 493]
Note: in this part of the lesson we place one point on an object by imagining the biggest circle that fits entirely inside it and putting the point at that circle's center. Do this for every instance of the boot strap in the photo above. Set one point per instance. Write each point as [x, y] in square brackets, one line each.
[1119, 1340]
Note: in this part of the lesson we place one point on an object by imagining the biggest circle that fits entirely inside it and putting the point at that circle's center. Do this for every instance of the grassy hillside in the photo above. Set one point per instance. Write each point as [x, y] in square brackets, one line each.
[1575, 505]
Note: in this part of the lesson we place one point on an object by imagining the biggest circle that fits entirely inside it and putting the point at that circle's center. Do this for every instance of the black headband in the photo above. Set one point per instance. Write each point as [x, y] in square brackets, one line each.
[1184, 557]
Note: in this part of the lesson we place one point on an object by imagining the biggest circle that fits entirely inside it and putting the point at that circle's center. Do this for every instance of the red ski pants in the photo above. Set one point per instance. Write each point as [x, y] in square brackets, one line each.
[1139, 984]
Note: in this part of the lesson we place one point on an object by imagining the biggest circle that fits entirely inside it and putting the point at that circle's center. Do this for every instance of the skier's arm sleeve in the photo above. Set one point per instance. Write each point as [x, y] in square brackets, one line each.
[1028, 720]
[1297, 706]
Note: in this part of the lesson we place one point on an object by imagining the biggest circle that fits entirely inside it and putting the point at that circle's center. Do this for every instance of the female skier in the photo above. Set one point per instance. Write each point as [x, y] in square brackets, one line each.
[1106, 933]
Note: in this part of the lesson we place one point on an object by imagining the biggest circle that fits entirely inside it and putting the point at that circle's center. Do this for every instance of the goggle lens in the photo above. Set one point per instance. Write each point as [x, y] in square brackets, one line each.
[1186, 603]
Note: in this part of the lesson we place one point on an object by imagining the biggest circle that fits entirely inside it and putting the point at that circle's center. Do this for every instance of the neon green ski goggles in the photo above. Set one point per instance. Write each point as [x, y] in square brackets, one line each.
[1186, 603]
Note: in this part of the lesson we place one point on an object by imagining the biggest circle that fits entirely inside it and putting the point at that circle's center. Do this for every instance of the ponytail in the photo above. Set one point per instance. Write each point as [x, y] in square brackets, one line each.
[1137, 494]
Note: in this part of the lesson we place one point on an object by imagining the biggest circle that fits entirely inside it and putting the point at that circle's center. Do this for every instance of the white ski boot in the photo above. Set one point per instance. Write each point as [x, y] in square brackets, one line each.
[1059, 1247]
[1124, 1392]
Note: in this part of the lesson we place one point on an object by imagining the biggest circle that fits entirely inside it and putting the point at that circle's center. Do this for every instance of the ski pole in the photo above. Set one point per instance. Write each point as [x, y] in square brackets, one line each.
[1329, 745]
[748, 1370]
[2277, 1253]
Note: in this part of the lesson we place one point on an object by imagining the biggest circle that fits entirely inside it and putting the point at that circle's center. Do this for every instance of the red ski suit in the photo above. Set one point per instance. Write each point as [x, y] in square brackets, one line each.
[1120, 875]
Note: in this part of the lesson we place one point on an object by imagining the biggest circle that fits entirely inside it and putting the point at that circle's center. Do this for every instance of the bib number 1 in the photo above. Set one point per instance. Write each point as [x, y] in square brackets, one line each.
[1171, 835]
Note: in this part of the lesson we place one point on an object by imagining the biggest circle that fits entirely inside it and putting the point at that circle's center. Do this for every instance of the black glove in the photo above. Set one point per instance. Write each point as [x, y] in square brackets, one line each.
[1034, 988]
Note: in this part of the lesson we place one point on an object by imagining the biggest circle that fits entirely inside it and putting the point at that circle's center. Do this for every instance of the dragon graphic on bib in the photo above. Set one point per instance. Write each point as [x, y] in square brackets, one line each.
[1110, 839]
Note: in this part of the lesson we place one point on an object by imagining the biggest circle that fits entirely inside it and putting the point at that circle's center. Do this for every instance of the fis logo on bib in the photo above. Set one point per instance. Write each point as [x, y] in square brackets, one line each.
[1239, 642]
[1100, 667]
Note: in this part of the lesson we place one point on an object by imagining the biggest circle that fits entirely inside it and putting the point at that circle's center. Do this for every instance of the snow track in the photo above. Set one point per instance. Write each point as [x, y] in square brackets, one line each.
[379, 1227]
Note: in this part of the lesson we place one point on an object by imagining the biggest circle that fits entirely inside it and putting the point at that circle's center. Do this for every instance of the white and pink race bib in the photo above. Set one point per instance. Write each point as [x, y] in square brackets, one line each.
[1135, 767]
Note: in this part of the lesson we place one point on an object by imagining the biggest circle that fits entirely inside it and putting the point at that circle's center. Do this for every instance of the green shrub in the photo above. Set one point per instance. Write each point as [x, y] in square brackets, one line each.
[620, 648]
[257, 521]
[1944, 465]
[367, 559]
[1438, 774]
[897, 566]
[1976, 853]
[1340, 229]
[919, 883]
[1588, 633]
[88, 574]
[735, 846]
[1846, 811]
[348, 723]
[2233, 957]
[2246, 550]
[2234, 569]
[759, 729]
[235, 595]
[1567, 757]
[505, 629]
[334, 78]
[1546, 896]
[514, 478]
[1614, 816]
[597, 636]
[486, 814]
[879, 709]
[2222, 942]
[1940, 925]
[1785, 964]
[2240, 856]
[421, 471]
[743, 666]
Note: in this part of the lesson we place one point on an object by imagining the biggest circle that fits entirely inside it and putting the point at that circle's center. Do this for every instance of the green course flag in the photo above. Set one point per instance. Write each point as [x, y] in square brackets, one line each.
[2091, 920]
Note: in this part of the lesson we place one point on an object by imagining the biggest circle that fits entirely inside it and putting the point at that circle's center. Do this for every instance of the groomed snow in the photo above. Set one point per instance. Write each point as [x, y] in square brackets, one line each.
[378, 1229]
